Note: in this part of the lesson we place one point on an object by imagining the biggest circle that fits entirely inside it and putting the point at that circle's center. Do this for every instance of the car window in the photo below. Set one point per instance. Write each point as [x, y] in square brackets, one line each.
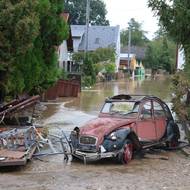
[146, 112]
[158, 110]
[167, 111]
[121, 107]
[127, 109]
[106, 108]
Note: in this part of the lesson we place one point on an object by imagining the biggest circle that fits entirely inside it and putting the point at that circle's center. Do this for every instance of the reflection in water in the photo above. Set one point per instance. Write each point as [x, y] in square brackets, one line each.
[91, 100]
[71, 112]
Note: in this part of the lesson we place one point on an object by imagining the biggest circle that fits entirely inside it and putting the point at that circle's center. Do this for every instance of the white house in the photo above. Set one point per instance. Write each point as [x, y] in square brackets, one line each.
[180, 59]
[65, 50]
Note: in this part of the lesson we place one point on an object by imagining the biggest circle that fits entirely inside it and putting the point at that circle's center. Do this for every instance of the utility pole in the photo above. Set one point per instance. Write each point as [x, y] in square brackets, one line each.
[129, 46]
[87, 23]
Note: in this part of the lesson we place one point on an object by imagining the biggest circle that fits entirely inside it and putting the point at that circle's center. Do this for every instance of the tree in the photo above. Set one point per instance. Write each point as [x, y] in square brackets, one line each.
[77, 10]
[165, 56]
[30, 31]
[174, 17]
[152, 55]
[160, 54]
[95, 62]
[19, 26]
[138, 37]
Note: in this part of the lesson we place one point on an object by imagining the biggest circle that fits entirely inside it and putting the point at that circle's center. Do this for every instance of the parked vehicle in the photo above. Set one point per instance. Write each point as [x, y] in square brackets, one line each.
[126, 124]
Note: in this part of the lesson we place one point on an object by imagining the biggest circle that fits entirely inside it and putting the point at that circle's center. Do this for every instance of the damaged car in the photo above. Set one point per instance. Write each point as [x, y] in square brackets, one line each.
[125, 125]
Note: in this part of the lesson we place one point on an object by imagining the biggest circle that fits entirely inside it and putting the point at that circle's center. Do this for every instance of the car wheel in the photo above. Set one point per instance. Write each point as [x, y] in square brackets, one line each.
[174, 134]
[126, 154]
[172, 144]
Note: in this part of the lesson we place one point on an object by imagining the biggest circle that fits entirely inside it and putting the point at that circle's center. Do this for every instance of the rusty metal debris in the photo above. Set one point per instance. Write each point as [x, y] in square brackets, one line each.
[54, 144]
[12, 112]
[20, 142]
[17, 146]
[18, 105]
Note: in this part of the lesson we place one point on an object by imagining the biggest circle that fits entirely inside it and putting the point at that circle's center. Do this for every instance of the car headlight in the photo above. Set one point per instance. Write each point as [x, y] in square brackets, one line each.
[102, 149]
[113, 136]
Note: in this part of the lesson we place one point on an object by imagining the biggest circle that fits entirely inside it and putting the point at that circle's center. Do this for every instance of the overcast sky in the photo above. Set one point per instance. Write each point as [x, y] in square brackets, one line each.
[121, 11]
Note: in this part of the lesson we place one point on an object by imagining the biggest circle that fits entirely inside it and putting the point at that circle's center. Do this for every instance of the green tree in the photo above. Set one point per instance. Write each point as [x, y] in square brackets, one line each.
[165, 56]
[88, 71]
[94, 62]
[138, 36]
[77, 10]
[30, 31]
[174, 17]
[110, 68]
[19, 27]
[160, 53]
[153, 55]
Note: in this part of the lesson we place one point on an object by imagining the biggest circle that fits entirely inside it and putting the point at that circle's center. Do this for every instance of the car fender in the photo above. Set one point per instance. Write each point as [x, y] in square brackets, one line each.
[172, 131]
[121, 135]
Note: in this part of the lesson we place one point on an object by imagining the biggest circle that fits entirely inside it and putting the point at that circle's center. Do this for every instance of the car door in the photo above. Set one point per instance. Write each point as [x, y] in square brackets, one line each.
[160, 119]
[145, 123]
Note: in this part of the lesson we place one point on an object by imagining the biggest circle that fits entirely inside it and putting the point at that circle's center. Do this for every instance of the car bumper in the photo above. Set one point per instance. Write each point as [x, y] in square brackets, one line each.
[86, 156]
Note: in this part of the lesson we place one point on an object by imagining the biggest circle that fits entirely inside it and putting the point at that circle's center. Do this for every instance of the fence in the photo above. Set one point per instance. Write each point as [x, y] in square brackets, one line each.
[62, 88]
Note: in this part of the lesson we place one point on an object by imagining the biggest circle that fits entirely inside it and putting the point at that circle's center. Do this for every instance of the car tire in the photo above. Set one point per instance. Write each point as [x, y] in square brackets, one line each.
[173, 143]
[126, 154]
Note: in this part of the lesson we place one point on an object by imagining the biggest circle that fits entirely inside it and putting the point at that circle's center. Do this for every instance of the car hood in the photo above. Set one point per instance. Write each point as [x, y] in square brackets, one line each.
[100, 127]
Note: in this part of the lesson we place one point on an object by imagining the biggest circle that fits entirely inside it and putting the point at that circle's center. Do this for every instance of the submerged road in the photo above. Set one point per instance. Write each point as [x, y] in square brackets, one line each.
[51, 173]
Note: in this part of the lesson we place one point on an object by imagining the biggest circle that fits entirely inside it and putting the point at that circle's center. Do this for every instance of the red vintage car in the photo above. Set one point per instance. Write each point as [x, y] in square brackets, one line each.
[126, 124]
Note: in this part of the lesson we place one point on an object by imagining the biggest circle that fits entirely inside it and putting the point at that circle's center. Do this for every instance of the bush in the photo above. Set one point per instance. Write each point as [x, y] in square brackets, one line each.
[181, 102]
[87, 81]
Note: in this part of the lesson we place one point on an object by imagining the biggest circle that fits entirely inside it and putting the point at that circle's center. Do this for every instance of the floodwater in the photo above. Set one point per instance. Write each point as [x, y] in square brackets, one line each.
[75, 111]
[163, 171]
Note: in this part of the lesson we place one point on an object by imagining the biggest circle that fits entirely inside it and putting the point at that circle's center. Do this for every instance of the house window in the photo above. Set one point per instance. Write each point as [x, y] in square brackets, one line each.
[97, 40]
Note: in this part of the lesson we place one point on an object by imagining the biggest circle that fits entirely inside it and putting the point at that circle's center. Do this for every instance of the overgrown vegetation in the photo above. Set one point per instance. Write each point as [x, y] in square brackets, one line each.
[30, 31]
[160, 54]
[160, 51]
[101, 60]
[174, 17]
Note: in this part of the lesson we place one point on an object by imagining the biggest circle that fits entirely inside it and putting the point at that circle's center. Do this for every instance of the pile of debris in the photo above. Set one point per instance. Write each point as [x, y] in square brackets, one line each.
[15, 113]
[17, 146]
[18, 136]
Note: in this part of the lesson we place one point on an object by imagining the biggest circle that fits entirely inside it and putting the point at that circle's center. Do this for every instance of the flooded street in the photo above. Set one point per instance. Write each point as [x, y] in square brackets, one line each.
[51, 173]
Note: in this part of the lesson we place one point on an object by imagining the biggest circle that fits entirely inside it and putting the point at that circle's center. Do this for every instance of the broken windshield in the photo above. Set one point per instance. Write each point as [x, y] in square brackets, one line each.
[128, 109]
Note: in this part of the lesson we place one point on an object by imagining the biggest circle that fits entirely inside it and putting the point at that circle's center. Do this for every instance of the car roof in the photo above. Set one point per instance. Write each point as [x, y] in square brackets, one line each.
[131, 98]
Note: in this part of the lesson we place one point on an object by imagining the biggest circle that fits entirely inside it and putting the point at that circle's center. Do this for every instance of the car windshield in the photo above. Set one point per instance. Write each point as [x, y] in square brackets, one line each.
[128, 109]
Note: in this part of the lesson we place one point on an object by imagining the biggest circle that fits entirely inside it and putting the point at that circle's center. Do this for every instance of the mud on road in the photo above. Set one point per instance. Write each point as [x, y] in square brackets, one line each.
[51, 173]
[140, 174]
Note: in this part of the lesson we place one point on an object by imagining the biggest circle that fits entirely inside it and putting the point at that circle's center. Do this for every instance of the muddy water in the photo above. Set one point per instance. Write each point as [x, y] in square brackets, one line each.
[51, 172]
[75, 111]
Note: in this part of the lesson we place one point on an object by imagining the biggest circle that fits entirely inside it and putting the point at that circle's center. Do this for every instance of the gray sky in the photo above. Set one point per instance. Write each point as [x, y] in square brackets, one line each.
[121, 11]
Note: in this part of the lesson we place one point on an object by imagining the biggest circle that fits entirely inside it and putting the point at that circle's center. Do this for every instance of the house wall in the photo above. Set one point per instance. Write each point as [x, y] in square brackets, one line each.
[63, 55]
[180, 59]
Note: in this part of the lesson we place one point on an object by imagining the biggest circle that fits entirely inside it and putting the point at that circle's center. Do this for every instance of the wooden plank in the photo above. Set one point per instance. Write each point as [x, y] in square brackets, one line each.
[14, 162]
